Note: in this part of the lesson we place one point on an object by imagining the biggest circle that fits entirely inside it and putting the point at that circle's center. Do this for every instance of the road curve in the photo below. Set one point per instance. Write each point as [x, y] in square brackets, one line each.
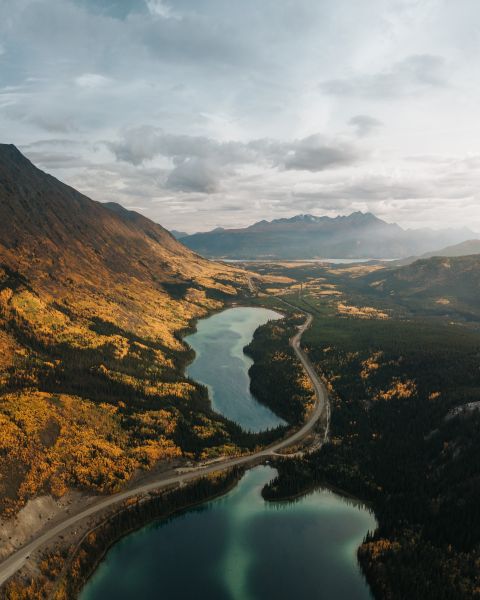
[16, 560]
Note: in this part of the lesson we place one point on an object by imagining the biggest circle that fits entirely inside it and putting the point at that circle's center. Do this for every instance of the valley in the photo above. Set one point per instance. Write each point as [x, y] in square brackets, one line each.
[396, 365]
[318, 414]
[239, 300]
[107, 418]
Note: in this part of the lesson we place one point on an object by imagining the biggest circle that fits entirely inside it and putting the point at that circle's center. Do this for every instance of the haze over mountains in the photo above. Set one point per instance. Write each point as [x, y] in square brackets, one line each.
[358, 235]
[466, 248]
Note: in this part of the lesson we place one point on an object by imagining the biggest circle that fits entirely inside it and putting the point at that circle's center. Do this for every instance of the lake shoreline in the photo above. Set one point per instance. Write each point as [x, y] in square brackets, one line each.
[231, 482]
[222, 366]
[244, 491]
[139, 525]
[182, 336]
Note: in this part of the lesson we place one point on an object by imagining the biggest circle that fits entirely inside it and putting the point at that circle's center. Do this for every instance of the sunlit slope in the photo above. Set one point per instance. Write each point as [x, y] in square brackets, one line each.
[102, 259]
[92, 301]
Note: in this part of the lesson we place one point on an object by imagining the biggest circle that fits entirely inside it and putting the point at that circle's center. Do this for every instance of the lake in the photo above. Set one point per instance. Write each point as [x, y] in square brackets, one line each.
[240, 547]
[222, 366]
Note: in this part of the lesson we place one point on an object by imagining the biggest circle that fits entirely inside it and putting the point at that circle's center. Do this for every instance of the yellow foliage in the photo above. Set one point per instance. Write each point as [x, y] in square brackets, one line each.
[370, 365]
[380, 548]
[155, 450]
[124, 329]
[363, 312]
[54, 442]
[399, 389]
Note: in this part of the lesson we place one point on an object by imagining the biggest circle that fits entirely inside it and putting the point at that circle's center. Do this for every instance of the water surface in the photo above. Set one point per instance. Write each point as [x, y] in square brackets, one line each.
[242, 548]
[335, 261]
[222, 366]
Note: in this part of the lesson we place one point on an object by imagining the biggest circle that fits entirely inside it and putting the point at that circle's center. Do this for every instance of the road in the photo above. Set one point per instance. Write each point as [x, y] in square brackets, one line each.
[15, 561]
[321, 394]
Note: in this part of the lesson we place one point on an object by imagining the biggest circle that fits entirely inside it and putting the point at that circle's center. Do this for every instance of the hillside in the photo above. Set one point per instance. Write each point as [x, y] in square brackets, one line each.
[178, 235]
[466, 248]
[399, 349]
[92, 301]
[442, 285]
[359, 235]
[463, 249]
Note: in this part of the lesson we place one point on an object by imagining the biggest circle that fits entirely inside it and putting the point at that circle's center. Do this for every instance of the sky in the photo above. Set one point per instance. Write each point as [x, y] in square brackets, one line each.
[206, 113]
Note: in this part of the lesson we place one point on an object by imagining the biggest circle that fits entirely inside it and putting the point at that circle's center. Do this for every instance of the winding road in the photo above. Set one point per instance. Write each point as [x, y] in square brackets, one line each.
[322, 408]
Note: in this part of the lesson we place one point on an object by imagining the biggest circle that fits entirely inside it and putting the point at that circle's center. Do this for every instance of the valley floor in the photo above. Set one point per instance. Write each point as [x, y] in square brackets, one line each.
[398, 373]
[70, 525]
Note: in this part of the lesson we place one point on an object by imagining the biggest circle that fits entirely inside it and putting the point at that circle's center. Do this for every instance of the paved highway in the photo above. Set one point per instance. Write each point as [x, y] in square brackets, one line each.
[16, 560]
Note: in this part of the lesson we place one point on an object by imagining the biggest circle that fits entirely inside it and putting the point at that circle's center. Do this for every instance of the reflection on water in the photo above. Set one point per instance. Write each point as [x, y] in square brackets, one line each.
[222, 366]
[242, 548]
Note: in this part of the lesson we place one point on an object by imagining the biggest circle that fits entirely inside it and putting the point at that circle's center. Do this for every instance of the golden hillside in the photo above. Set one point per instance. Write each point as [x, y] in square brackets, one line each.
[92, 301]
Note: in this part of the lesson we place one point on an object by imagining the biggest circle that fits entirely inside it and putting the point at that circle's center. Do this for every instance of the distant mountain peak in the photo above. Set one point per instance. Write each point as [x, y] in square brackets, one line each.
[306, 236]
[307, 218]
[364, 216]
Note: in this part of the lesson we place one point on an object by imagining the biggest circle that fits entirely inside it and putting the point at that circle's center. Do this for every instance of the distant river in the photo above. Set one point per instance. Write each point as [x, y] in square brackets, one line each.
[333, 261]
[240, 547]
[222, 366]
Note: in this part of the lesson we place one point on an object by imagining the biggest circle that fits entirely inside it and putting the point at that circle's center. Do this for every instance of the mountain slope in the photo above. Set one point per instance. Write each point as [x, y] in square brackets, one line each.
[467, 248]
[42, 219]
[440, 285]
[92, 300]
[178, 235]
[358, 235]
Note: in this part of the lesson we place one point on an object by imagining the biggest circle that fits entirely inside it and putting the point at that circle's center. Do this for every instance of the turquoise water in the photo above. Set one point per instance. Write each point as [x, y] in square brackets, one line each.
[240, 547]
[222, 366]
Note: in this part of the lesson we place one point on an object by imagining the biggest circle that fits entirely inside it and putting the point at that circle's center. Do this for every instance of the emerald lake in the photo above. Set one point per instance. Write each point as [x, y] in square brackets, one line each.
[240, 547]
[222, 366]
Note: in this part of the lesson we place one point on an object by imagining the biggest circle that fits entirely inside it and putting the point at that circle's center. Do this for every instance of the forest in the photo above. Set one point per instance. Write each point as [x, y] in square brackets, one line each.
[85, 402]
[404, 388]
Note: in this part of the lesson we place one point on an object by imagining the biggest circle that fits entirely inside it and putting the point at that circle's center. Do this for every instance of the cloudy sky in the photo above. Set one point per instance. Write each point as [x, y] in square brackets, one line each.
[200, 113]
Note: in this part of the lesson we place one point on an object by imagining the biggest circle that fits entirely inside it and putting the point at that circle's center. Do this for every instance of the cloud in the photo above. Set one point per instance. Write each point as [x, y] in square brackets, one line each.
[193, 175]
[416, 73]
[213, 110]
[91, 80]
[57, 160]
[58, 121]
[313, 153]
[364, 125]
[144, 143]
[159, 8]
[201, 162]
[120, 9]
[376, 190]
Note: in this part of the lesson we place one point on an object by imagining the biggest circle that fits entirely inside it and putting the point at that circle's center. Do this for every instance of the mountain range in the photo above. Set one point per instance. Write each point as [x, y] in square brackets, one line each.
[358, 235]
